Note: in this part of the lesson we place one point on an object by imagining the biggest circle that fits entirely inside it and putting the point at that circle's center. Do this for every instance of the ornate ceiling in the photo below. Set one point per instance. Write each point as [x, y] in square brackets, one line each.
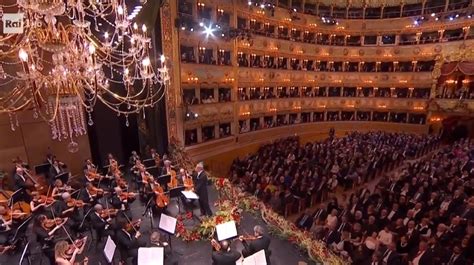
[362, 3]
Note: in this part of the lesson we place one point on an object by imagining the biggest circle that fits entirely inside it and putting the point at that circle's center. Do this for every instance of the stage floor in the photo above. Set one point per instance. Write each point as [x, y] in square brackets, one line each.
[192, 253]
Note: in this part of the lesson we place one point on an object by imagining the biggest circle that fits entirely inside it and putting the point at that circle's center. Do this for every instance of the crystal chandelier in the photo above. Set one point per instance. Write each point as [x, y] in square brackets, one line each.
[72, 54]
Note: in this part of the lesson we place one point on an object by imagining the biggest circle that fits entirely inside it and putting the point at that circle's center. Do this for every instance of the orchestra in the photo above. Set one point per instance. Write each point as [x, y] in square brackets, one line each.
[63, 211]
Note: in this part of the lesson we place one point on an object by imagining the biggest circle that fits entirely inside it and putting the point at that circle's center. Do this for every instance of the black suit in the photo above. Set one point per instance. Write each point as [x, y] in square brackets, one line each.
[306, 223]
[225, 258]
[254, 246]
[426, 258]
[200, 184]
[393, 258]
[127, 245]
[20, 184]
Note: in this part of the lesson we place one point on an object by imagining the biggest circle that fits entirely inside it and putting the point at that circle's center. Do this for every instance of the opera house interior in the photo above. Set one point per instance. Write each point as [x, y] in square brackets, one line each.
[284, 132]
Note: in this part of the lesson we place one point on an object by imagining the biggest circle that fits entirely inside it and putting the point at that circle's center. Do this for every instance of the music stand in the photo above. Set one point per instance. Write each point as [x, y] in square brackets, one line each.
[151, 256]
[43, 169]
[164, 180]
[109, 250]
[149, 162]
[168, 225]
[153, 170]
[22, 228]
[23, 254]
[16, 197]
[176, 193]
[64, 177]
[226, 230]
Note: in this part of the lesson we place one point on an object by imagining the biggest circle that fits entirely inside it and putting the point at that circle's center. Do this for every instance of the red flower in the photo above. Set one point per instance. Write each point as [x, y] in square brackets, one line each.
[189, 215]
[219, 219]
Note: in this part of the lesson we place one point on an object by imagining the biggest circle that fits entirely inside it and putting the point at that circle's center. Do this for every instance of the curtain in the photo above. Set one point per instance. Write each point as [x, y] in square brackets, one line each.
[466, 68]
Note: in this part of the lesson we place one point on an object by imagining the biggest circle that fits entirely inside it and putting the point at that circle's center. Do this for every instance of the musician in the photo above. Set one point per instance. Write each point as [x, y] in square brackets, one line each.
[120, 202]
[109, 160]
[21, 185]
[256, 243]
[127, 242]
[62, 209]
[61, 255]
[45, 235]
[200, 184]
[100, 224]
[57, 168]
[133, 158]
[38, 207]
[89, 166]
[166, 170]
[223, 255]
[59, 188]
[5, 226]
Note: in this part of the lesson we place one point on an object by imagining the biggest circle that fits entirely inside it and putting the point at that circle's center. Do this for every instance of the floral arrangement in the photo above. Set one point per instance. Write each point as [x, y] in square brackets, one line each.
[232, 202]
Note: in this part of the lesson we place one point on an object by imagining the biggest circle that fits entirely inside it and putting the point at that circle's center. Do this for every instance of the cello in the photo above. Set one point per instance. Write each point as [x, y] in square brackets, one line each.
[161, 199]
[173, 180]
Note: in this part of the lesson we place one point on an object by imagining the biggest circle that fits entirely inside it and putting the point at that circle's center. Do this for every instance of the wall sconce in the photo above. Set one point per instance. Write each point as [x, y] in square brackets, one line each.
[382, 106]
[403, 81]
[418, 108]
[449, 82]
[247, 113]
[350, 106]
[435, 119]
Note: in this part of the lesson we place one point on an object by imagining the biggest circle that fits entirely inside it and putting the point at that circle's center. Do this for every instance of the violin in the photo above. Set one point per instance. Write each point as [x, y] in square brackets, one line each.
[45, 199]
[134, 225]
[77, 244]
[127, 196]
[15, 214]
[75, 203]
[49, 224]
[92, 174]
[161, 199]
[173, 180]
[3, 249]
[96, 191]
[107, 213]
[215, 245]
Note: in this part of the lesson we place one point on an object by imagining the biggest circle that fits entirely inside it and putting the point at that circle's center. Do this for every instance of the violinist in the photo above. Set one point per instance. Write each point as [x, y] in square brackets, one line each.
[90, 172]
[5, 219]
[222, 253]
[59, 188]
[101, 220]
[67, 207]
[127, 241]
[120, 200]
[161, 199]
[46, 230]
[40, 202]
[255, 243]
[62, 255]
[118, 181]
[155, 156]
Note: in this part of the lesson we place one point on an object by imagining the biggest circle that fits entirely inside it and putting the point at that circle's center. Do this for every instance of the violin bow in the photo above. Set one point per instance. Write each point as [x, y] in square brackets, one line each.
[130, 222]
[65, 230]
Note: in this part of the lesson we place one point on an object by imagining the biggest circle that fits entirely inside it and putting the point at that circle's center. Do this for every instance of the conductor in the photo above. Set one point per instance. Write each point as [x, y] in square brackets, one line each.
[200, 184]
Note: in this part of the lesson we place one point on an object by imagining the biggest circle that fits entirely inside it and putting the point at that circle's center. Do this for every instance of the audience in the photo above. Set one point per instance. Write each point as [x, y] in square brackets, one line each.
[420, 213]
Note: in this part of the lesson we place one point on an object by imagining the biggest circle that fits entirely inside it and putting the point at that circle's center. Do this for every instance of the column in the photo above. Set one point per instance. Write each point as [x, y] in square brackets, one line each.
[196, 54]
[327, 91]
[197, 93]
[423, 4]
[355, 116]
[199, 134]
[216, 94]
[325, 115]
[342, 92]
[388, 117]
[216, 131]
[371, 115]
[446, 4]
[408, 118]
[261, 122]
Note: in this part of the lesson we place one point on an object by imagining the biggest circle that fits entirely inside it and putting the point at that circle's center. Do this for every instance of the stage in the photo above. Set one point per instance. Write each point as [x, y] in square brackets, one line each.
[193, 253]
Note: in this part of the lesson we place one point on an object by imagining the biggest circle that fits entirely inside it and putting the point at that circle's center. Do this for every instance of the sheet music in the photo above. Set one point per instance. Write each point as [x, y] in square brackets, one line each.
[255, 259]
[190, 195]
[109, 249]
[151, 256]
[167, 223]
[226, 230]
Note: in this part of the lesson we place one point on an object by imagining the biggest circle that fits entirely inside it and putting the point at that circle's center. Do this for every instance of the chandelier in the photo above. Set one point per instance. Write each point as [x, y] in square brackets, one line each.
[73, 54]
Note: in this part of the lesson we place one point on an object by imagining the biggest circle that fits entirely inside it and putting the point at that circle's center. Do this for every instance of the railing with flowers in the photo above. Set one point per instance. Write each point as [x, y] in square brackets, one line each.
[230, 204]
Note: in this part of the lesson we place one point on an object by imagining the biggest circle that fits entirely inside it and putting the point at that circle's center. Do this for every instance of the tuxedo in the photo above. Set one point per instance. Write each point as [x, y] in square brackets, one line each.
[200, 185]
[225, 257]
[456, 260]
[127, 245]
[320, 214]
